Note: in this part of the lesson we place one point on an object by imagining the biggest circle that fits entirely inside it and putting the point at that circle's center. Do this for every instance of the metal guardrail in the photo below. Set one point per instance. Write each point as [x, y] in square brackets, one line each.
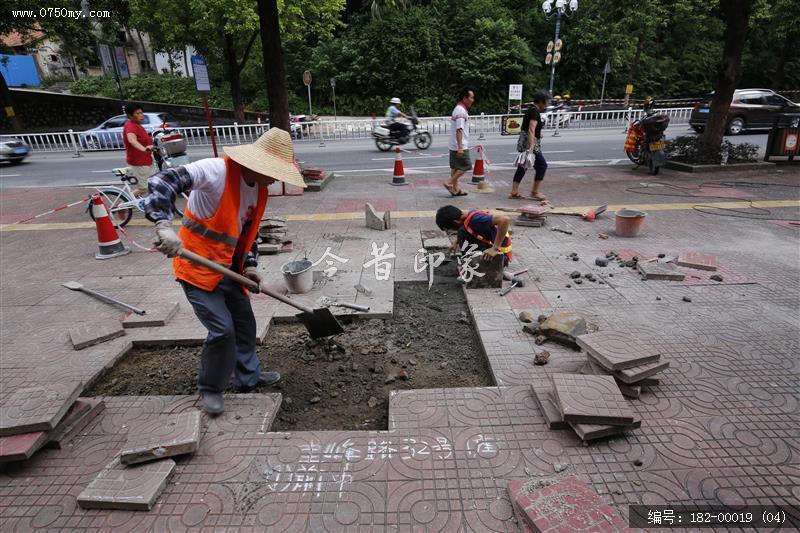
[321, 131]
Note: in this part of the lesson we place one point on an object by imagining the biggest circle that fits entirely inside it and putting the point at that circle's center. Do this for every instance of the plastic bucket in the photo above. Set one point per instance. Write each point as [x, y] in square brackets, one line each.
[629, 222]
[298, 276]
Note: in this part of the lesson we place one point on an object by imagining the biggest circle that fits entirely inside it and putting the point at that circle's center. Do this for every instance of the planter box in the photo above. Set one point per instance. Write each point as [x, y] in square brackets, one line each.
[686, 167]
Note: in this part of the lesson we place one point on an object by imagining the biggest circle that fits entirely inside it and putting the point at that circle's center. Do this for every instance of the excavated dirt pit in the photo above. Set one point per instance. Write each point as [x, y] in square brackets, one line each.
[343, 382]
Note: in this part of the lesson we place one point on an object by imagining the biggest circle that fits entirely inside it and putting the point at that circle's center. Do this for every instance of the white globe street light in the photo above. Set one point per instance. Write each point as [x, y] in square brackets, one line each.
[561, 8]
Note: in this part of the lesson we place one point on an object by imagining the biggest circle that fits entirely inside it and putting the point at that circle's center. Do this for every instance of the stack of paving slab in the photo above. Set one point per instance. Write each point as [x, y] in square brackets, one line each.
[136, 477]
[38, 417]
[632, 363]
[532, 215]
[316, 178]
[567, 504]
[592, 406]
[272, 236]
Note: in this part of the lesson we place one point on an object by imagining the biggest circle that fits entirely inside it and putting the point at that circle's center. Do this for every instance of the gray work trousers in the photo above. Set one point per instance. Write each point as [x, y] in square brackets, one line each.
[231, 343]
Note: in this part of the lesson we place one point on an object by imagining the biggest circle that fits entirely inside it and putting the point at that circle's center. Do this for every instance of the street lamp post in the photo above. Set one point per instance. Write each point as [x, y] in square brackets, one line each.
[560, 7]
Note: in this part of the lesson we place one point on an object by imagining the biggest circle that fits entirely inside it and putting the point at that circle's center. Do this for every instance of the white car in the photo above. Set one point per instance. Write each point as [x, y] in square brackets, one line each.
[13, 150]
[108, 134]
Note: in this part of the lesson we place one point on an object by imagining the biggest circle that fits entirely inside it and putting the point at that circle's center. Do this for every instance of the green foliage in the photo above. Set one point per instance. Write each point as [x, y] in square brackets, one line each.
[153, 88]
[691, 149]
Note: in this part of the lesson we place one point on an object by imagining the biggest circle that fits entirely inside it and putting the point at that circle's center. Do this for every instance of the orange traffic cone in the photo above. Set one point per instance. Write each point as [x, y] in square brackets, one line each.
[478, 174]
[399, 177]
[107, 238]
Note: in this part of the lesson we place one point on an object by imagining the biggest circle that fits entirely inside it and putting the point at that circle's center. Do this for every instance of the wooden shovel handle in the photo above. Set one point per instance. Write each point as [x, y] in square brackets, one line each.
[238, 278]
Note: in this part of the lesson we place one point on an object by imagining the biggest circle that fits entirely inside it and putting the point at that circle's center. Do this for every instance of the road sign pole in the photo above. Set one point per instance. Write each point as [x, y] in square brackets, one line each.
[210, 126]
[309, 100]
[553, 68]
[603, 91]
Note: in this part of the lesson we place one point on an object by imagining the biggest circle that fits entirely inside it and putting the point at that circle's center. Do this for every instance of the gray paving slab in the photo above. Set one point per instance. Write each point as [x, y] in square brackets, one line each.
[697, 260]
[656, 270]
[588, 432]
[616, 350]
[37, 408]
[591, 399]
[161, 437]
[157, 315]
[543, 393]
[134, 488]
[642, 372]
[88, 334]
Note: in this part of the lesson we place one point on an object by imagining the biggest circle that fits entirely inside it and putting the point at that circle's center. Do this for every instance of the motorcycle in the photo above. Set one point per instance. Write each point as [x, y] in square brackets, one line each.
[170, 149]
[385, 139]
[645, 143]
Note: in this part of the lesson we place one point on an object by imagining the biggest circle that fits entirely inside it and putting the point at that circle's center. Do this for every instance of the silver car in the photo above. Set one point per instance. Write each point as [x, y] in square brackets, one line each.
[13, 150]
[109, 133]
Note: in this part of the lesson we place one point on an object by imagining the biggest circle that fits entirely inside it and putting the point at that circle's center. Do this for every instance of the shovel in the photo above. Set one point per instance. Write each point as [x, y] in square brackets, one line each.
[75, 286]
[319, 322]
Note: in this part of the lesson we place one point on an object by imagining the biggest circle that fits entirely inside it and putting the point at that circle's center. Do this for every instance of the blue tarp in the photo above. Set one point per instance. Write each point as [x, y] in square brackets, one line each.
[19, 71]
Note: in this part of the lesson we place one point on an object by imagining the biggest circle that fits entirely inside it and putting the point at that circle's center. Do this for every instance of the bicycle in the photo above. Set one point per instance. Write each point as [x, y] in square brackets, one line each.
[121, 201]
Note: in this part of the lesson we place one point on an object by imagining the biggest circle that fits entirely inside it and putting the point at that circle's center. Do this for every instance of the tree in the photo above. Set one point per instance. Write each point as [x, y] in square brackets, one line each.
[735, 13]
[274, 66]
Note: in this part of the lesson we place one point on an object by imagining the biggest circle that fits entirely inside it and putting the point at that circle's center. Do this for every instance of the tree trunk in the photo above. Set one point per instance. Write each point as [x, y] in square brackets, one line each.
[274, 68]
[635, 65]
[783, 58]
[8, 106]
[736, 14]
[144, 52]
[234, 75]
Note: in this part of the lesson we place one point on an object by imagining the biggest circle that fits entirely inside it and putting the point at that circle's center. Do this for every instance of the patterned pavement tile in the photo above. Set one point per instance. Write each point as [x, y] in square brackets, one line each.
[616, 350]
[638, 373]
[656, 270]
[161, 437]
[157, 315]
[21, 446]
[697, 260]
[135, 488]
[78, 416]
[37, 409]
[591, 399]
[85, 335]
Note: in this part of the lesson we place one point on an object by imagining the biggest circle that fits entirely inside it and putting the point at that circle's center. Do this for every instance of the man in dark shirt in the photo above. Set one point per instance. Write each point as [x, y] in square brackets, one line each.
[532, 124]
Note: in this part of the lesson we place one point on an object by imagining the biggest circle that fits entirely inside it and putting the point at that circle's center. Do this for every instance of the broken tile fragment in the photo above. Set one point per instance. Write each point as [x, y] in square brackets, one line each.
[591, 400]
[569, 504]
[133, 488]
[563, 327]
[372, 218]
[163, 436]
[157, 315]
[616, 350]
[89, 334]
[37, 408]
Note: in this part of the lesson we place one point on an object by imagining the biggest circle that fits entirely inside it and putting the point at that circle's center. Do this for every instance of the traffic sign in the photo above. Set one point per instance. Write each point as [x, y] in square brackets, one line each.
[607, 68]
[548, 59]
[629, 89]
[549, 47]
[559, 43]
[307, 78]
[556, 57]
[333, 82]
[515, 92]
[201, 79]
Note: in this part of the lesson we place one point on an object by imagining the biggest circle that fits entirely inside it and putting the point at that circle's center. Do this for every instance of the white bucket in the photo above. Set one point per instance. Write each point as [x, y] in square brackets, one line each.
[298, 276]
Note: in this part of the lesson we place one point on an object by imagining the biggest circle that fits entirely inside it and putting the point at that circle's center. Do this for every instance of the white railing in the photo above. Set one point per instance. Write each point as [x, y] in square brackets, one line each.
[321, 131]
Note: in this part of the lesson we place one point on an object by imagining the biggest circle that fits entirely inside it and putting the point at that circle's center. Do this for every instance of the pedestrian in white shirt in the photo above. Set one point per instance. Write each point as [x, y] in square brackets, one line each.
[459, 141]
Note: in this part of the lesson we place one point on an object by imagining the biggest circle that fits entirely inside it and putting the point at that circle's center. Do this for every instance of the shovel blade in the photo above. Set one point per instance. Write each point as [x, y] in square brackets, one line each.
[320, 323]
[72, 285]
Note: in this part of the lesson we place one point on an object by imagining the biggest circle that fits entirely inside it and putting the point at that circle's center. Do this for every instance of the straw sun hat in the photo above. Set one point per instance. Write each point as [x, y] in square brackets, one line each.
[271, 155]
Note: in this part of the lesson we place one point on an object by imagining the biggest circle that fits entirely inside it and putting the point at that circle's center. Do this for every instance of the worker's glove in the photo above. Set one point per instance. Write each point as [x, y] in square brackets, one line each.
[166, 240]
[251, 273]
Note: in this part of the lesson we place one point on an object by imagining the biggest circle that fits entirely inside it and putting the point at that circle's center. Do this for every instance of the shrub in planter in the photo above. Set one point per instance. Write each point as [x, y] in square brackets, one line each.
[690, 149]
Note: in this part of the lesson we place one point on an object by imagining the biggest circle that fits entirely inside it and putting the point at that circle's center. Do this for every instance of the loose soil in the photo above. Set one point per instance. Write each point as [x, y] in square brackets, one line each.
[342, 382]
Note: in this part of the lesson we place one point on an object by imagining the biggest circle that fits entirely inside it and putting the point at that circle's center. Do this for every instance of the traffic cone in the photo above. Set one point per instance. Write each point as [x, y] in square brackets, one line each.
[478, 173]
[107, 238]
[399, 177]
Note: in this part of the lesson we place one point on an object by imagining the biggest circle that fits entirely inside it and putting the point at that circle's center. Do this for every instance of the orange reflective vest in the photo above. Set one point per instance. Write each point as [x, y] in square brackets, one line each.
[217, 238]
[504, 248]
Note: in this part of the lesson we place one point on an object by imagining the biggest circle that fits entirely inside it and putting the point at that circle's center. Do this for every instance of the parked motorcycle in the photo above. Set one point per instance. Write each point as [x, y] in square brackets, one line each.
[170, 149]
[385, 139]
[645, 143]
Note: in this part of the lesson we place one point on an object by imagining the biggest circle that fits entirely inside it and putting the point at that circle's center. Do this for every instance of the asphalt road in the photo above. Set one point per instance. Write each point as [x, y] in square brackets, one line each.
[572, 148]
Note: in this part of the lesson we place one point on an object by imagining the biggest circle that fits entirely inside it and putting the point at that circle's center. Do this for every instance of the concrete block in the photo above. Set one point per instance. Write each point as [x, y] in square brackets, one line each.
[157, 315]
[85, 335]
[37, 408]
[133, 488]
[161, 437]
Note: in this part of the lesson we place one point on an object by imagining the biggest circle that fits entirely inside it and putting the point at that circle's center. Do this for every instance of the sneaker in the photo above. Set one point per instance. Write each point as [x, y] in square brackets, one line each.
[265, 379]
[212, 402]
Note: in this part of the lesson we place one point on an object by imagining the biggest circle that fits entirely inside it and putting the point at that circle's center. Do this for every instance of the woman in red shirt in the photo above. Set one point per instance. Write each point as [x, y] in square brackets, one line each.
[138, 147]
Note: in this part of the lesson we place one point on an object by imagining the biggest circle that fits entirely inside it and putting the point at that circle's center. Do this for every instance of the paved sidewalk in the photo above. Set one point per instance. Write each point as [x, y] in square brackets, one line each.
[720, 428]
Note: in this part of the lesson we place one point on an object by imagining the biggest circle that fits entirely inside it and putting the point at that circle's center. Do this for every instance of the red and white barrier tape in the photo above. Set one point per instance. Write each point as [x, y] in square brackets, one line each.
[56, 210]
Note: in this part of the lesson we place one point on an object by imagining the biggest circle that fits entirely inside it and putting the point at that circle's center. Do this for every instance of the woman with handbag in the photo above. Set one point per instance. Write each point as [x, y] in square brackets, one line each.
[529, 148]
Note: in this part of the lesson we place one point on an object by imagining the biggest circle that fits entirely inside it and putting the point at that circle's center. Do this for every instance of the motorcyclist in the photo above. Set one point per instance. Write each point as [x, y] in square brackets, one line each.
[649, 105]
[397, 129]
